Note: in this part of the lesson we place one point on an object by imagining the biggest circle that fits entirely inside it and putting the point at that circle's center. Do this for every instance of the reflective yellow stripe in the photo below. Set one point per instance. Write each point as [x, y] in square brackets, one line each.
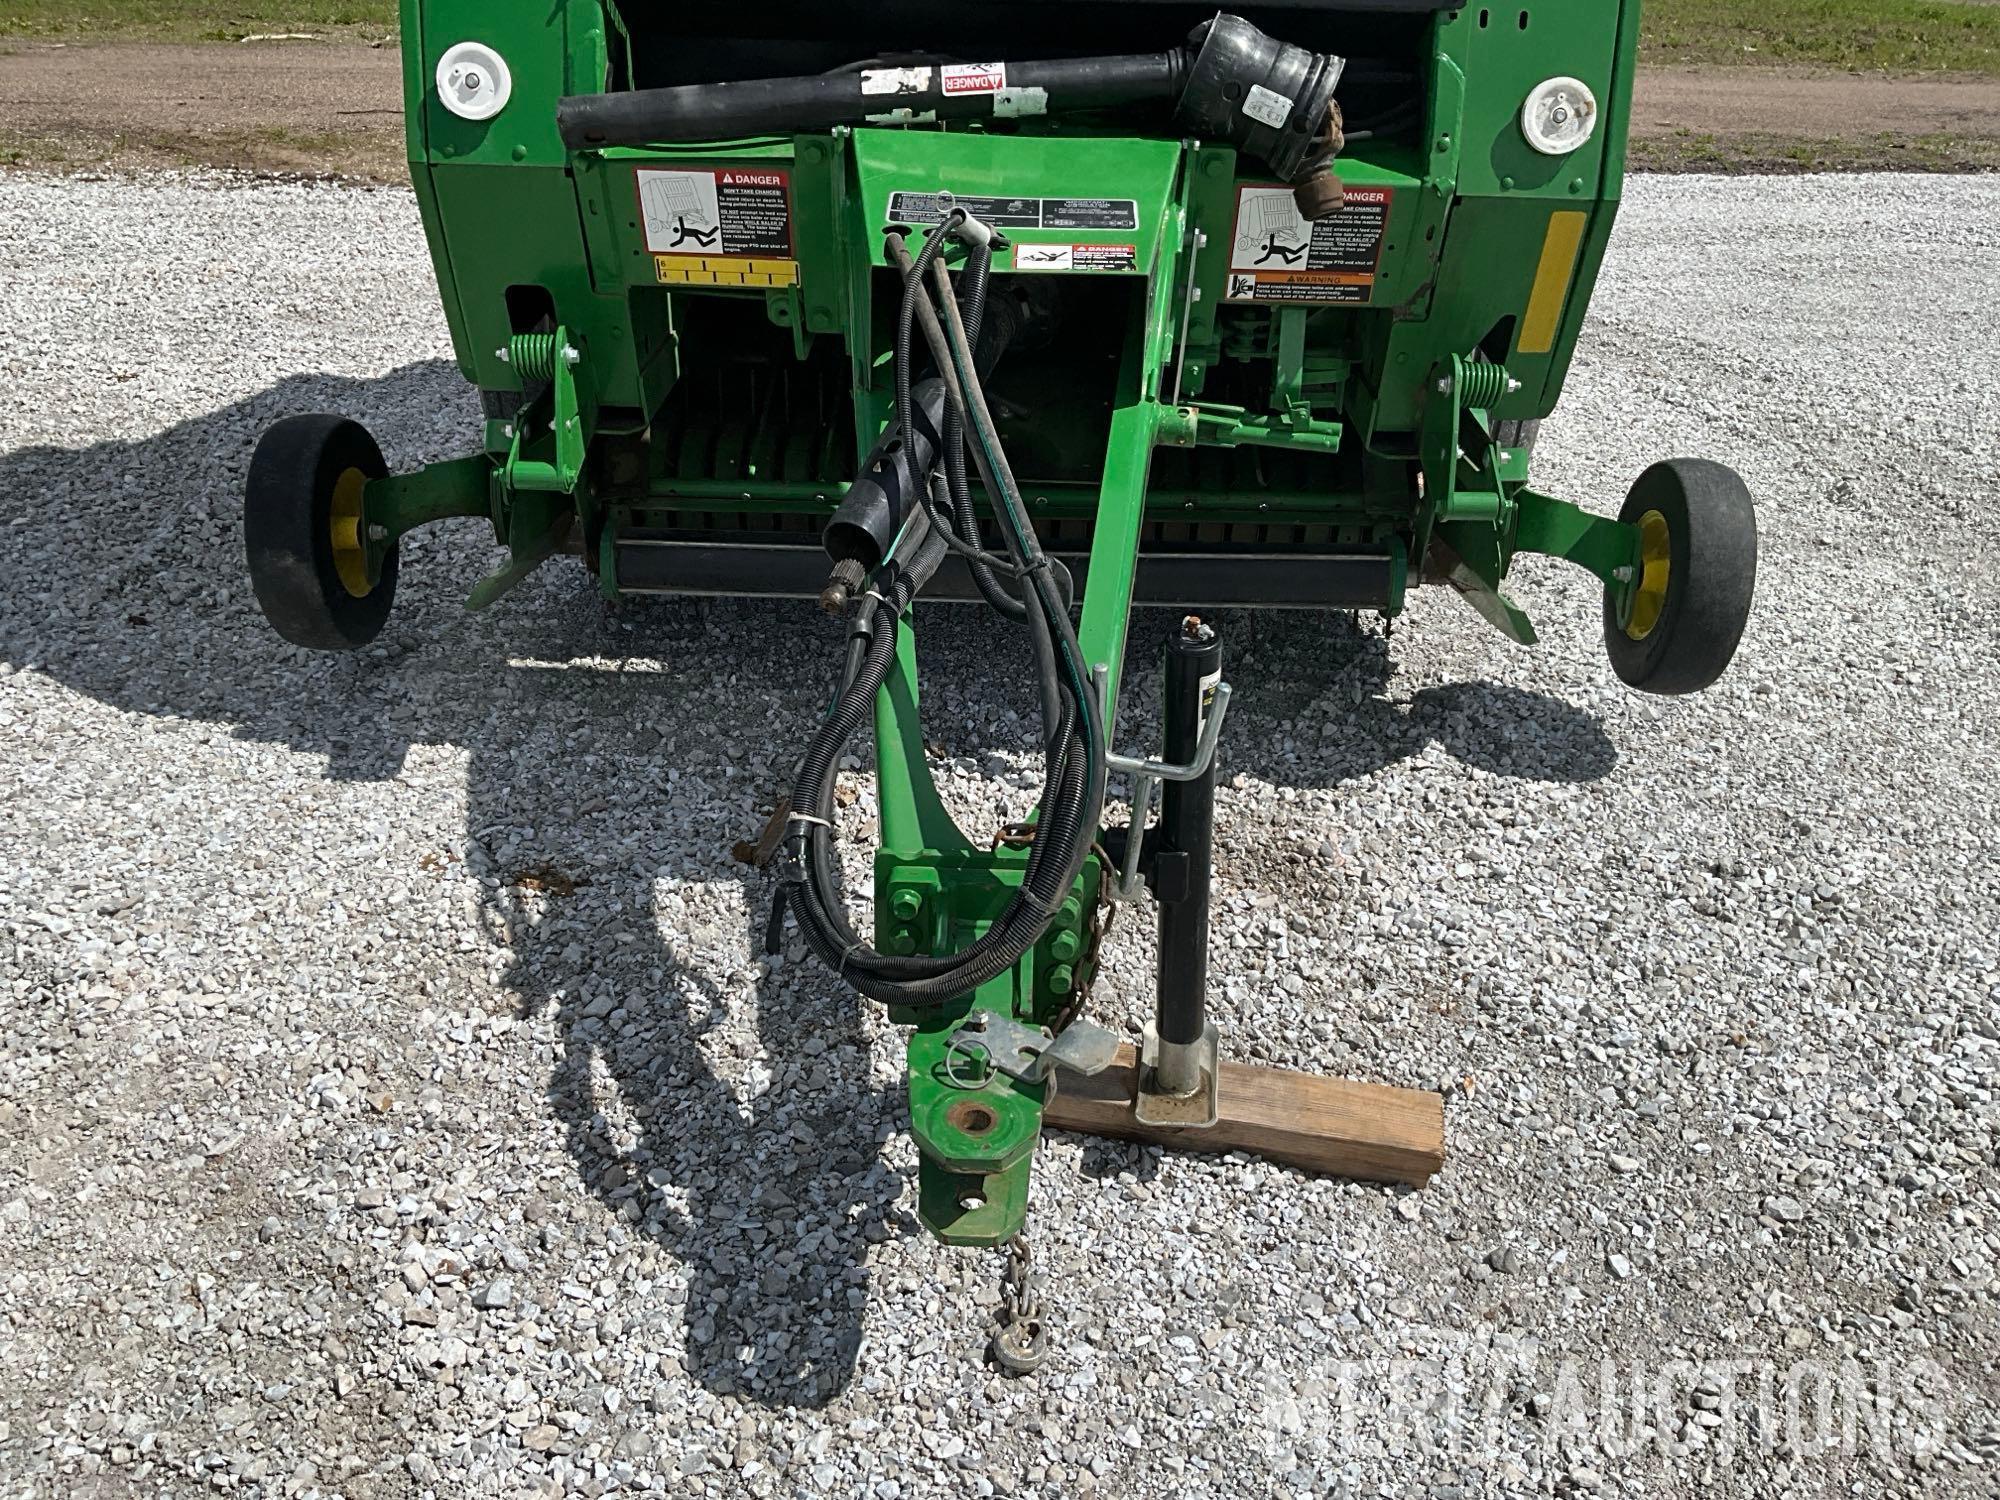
[1552, 277]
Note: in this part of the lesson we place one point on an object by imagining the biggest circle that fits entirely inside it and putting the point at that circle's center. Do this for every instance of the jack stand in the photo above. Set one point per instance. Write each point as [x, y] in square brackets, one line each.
[1176, 1090]
[1178, 1074]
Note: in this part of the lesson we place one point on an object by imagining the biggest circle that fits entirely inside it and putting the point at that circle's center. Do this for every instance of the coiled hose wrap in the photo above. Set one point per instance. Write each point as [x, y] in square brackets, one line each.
[1074, 752]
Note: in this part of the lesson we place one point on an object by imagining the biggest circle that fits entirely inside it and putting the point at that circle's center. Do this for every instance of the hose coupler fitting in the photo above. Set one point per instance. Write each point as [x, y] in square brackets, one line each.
[841, 586]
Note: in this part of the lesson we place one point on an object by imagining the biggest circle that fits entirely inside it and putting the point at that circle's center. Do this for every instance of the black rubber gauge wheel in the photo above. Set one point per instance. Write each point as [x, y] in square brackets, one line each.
[318, 580]
[1691, 600]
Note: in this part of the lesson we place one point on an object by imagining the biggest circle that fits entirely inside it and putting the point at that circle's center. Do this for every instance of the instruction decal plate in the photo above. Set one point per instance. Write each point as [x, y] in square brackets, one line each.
[1076, 257]
[719, 226]
[1021, 213]
[1277, 255]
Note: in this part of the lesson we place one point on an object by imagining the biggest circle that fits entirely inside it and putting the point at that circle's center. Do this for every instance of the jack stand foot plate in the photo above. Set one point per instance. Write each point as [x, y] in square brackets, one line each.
[1197, 1110]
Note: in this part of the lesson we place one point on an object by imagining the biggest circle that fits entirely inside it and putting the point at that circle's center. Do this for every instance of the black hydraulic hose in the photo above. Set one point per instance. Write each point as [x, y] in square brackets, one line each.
[965, 520]
[1072, 791]
[965, 538]
[785, 106]
[912, 293]
[999, 478]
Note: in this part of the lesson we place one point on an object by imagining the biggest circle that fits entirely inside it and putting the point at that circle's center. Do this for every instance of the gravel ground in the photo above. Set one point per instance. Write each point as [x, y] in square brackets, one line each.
[392, 1102]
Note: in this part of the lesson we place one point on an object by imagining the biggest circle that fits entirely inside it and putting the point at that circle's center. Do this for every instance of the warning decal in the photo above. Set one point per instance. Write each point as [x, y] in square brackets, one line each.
[718, 214]
[973, 78]
[1280, 256]
[1021, 213]
[1076, 257]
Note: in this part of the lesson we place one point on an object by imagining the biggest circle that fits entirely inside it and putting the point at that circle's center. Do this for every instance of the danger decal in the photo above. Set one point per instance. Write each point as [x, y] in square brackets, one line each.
[973, 78]
[699, 222]
[1278, 255]
[1076, 257]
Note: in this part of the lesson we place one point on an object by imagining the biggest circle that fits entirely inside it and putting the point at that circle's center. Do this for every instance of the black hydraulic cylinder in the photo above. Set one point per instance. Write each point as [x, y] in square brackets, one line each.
[1185, 854]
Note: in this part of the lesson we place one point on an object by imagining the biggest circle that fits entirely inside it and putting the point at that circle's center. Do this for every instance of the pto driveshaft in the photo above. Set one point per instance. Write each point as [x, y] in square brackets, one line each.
[1230, 82]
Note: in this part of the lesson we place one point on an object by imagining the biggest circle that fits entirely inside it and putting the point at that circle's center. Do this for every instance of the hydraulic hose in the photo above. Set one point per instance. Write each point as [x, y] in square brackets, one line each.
[964, 519]
[1074, 752]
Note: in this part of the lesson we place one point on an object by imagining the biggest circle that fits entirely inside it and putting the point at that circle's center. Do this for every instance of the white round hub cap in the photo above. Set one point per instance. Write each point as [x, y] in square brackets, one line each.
[473, 81]
[1560, 116]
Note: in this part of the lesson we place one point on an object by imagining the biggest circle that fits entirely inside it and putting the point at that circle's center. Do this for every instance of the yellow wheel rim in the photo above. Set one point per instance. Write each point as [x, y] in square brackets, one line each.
[350, 552]
[1655, 568]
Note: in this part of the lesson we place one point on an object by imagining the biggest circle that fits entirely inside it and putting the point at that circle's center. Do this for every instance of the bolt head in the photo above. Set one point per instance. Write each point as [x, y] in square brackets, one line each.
[906, 905]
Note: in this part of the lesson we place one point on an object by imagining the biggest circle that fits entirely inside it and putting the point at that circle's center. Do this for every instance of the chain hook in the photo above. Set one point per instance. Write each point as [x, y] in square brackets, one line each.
[1021, 1341]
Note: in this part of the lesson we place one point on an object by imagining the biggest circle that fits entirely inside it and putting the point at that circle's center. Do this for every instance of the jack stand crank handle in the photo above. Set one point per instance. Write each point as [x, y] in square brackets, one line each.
[1185, 859]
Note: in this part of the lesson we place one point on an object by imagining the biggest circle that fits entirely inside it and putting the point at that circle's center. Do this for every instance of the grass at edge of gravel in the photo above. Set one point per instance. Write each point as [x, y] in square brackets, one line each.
[1882, 36]
[1743, 155]
[275, 151]
[194, 20]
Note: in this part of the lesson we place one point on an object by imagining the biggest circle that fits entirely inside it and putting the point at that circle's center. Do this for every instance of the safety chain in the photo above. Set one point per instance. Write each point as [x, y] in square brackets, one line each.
[1021, 1335]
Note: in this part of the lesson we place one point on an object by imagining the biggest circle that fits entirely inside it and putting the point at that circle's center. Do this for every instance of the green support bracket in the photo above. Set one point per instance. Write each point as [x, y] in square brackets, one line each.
[558, 440]
[1468, 510]
[1555, 528]
[542, 494]
[399, 503]
[937, 891]
[1478, 515]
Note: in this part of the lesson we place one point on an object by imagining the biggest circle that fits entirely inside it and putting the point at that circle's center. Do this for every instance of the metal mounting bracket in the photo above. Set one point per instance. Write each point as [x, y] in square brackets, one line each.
[1030, 1054]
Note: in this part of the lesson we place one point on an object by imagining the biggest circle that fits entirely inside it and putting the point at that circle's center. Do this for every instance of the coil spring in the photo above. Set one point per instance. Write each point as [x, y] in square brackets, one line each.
[1482, 384]
[533, 355]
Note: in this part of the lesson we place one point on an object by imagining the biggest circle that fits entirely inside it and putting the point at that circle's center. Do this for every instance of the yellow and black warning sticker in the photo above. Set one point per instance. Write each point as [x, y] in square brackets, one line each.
[1278, 255]
[723, 270]
[719, 226]
[1037, 257]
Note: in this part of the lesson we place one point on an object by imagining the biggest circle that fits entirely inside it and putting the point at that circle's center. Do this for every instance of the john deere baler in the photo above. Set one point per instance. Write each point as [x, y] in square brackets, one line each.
[1052, 308]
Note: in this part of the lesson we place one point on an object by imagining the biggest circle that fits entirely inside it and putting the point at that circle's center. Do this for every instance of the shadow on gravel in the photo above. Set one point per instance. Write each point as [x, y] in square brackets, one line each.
[1313, 692]
[121, 576]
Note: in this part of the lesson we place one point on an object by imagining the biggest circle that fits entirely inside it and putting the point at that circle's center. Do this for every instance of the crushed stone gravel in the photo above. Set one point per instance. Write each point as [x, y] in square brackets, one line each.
[393, 1100]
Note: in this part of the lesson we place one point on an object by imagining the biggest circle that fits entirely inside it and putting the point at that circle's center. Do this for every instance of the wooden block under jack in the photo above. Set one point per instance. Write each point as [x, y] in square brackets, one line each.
[1332, 1125]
